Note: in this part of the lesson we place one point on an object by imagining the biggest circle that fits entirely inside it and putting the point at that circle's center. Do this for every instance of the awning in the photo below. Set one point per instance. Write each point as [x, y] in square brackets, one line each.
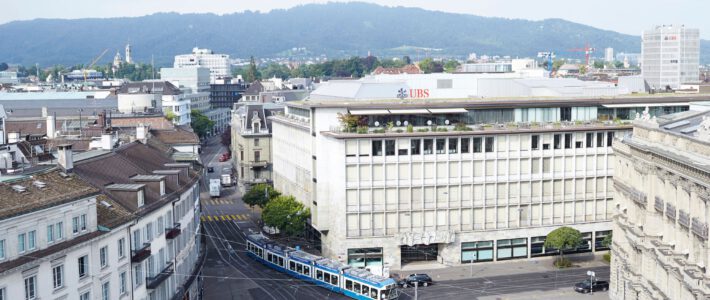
[408, 111]
[645, 104]
[369, 112]
[448, 110]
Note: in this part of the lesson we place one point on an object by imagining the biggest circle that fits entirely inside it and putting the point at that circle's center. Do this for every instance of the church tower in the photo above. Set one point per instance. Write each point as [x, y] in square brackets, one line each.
[129, 59]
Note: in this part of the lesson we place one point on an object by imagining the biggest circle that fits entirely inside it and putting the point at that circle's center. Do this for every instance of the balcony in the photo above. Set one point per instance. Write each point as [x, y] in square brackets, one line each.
[635, 195]
[670, 211]
[257, 164]
[141, 254]
[155, 281]
[658, 205]
[173, 232]
[684, 219]
[700, 229]
[256, 180]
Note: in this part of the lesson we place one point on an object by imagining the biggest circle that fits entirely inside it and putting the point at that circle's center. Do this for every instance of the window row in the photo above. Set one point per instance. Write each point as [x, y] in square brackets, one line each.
[361, 289]
[31, 283]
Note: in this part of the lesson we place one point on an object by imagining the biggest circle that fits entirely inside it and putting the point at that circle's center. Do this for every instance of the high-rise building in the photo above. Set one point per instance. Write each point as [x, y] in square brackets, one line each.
[218, 64]
[662, 209]
[670, 56]
[609, 54]
[129, 57]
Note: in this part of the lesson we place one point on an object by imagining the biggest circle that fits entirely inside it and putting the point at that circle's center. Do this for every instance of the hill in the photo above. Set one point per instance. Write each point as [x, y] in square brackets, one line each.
[334, 29]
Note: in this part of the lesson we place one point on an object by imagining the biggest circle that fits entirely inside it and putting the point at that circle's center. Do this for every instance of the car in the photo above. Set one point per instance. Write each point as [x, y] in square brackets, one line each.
[210, 170]
[597, 285]
[416, 279]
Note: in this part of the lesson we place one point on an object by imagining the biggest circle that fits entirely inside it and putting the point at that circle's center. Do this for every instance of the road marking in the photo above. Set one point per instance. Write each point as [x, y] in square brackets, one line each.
[202, 218]
[222, 218]
[234, 217]
[209, 218]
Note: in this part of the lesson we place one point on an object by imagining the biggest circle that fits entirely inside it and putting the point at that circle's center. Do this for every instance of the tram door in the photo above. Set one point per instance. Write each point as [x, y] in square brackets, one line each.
[419, 253]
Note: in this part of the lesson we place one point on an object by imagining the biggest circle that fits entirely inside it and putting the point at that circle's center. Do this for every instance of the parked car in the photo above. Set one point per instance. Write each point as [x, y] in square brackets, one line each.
[416, 279]
[585, 286]
[210, 170]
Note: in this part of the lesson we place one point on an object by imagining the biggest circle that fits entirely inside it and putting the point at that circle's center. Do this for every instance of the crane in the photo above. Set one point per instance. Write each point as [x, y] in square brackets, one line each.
[549, 55]
[93, 62]
[587, 52]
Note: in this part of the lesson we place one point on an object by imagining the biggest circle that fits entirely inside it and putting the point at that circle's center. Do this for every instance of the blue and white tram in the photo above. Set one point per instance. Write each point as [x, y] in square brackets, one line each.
[327, 273]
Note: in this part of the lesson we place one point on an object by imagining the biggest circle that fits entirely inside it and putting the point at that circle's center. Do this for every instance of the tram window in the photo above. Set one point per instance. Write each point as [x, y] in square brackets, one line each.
[299, 268]
[326, 278]
[365, 290]
[268, 256]
[357, 288]
[334, 280]
[306, 270]
[292, 266]
[319, 274]
[349, 285]
[373, 293]
[281, 261]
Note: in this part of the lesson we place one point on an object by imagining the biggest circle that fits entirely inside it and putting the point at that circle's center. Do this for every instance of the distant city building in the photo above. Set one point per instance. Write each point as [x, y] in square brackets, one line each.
[632, 58]
[661, 189]
[408, 69]
[218, 64]
[671, 56]
[226, 91]
[149, 96]
[129, 54]
[486, 68]
[117, 61]
[609, 54]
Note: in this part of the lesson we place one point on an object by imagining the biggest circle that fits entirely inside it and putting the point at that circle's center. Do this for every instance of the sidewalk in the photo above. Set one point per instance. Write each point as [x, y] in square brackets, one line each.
[440, 272]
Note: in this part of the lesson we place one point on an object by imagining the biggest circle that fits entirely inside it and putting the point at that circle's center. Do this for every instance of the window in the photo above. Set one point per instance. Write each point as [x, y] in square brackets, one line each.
[557, 141]
[256, 142]
[389, 147]
[489, 144]
[50, 233]
[149, 232]
[58, 276]
[59, 231]
[568, 141]
[105, 289]
[137, 239]
[122, 283]
[477, 145]
[464, 145]
[428, 146]
[476, 251]
[590, 140]
[82, 222]
[103, 256]
[512, 248]
[600, 139]
[365, 290]
[453, 145]
[31, 287]
[84, 296]
[609, 138]
[121, 248]
[535, 142]
[3, 295]
[415, 147]
[21, 242]
[83, 264]
[349, 285]
[160, 228]
[138, 278]
[440, 146]
[578, 144]
[75, 225]
[257, 155]
[377, 148]
[2, 250]
[565, 114]
[31, 240]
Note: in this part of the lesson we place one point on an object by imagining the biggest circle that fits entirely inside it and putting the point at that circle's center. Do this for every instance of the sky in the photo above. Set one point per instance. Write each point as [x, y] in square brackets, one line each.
[625, 16]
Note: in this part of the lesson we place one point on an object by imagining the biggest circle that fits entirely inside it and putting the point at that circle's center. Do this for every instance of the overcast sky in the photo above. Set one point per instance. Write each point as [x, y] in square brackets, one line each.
[626, 16]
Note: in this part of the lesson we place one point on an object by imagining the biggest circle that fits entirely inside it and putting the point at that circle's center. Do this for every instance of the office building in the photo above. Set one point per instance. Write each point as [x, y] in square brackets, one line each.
[218, 64]
[194, 82]
[224, 92]
[661, 211]
[609, 54]
[452, 180]
[670, 56]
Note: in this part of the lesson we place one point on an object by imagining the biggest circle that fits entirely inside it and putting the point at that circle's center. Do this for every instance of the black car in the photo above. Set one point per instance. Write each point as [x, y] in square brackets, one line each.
[416, 279]
[584, 286]
[210, 170]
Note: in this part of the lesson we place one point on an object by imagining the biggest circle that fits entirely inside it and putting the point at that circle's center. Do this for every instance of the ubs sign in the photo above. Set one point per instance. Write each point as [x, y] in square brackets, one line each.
[412, 93]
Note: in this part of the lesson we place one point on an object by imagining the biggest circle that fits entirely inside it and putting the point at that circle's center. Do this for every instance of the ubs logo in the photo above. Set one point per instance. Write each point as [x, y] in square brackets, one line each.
[412, 93]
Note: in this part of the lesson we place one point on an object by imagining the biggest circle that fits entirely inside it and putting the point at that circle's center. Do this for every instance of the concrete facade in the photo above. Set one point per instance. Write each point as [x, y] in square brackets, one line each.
[671, 56]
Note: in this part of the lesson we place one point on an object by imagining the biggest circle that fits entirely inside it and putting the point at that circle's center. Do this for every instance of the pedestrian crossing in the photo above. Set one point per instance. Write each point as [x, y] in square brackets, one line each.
[218, 201]
[221, 218]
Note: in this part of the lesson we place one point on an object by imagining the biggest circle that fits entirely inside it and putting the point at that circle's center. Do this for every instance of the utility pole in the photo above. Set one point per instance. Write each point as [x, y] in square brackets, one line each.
[591, 281]
[416, 286]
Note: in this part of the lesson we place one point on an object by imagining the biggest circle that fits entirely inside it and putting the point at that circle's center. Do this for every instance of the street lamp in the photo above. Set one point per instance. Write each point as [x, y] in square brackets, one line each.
[591, 275]
[80, 110]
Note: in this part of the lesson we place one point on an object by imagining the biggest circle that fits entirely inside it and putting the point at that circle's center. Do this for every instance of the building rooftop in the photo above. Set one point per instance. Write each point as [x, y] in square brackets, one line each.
[40, 191]
[109, 213]
[177, 135]
[149, 87]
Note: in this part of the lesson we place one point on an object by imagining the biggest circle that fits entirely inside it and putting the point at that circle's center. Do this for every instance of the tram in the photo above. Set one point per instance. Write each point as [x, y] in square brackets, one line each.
[327, 273]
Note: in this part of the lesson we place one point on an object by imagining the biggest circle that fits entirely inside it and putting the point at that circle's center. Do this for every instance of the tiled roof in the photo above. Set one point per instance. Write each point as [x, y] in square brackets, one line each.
[109, 213]
[57, 190]
[175, 136]
[254, 88]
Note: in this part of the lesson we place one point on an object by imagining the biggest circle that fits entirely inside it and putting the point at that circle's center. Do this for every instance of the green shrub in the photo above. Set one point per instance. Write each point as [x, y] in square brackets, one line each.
[423, 130]
[362, 129]
[381, 130]
[562, 263]
[442, 129]
[607, 257]
[410, 128]
[399, 130]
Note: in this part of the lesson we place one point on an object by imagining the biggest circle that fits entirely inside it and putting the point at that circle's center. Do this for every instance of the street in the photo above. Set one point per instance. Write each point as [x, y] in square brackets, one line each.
[230, 274]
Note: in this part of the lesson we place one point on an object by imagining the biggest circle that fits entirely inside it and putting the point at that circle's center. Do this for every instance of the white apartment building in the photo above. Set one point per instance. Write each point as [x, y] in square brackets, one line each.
[661, 214]
[671, 56]
[452, 180]
[218, 64]
[609, 54]
[194, 82]
[61, 239]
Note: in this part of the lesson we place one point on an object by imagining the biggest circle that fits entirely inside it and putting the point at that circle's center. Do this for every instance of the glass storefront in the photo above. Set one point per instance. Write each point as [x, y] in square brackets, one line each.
[419, 253]
[476, 251]
[365, 257]
[512, 248]
[537, 247]
[599, 240]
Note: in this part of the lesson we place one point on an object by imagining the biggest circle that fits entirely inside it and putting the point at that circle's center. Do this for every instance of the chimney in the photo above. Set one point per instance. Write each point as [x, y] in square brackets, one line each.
[51, 131]
[66, 157]
[141, 133]
[106, 142]
[44, 111]
[102, 119]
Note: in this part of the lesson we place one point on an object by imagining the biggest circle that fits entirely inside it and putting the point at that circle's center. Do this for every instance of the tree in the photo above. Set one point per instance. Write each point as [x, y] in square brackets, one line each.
[598, 64]
[606, 242]
[252, 74]
[451, 65]
[583, 69]
[428, 65]
[260, 195]
[563, 238]
[3, 66]
[406, 60]
[286, 214]
[200, 123]
[227, 137]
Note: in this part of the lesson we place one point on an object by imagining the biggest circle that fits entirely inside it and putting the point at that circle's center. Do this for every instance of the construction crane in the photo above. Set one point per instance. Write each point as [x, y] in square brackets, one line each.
[587, 52]
[93, 62]
[549, 55]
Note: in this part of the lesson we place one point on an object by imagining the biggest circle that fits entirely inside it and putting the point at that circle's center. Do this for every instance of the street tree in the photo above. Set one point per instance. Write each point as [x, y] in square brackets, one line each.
[451, 65]
[429, 65]
[226, 137]
[200, 123]
[563, 238]
[3, 66]
[286, 214]
[252, 74]
[260, 195]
